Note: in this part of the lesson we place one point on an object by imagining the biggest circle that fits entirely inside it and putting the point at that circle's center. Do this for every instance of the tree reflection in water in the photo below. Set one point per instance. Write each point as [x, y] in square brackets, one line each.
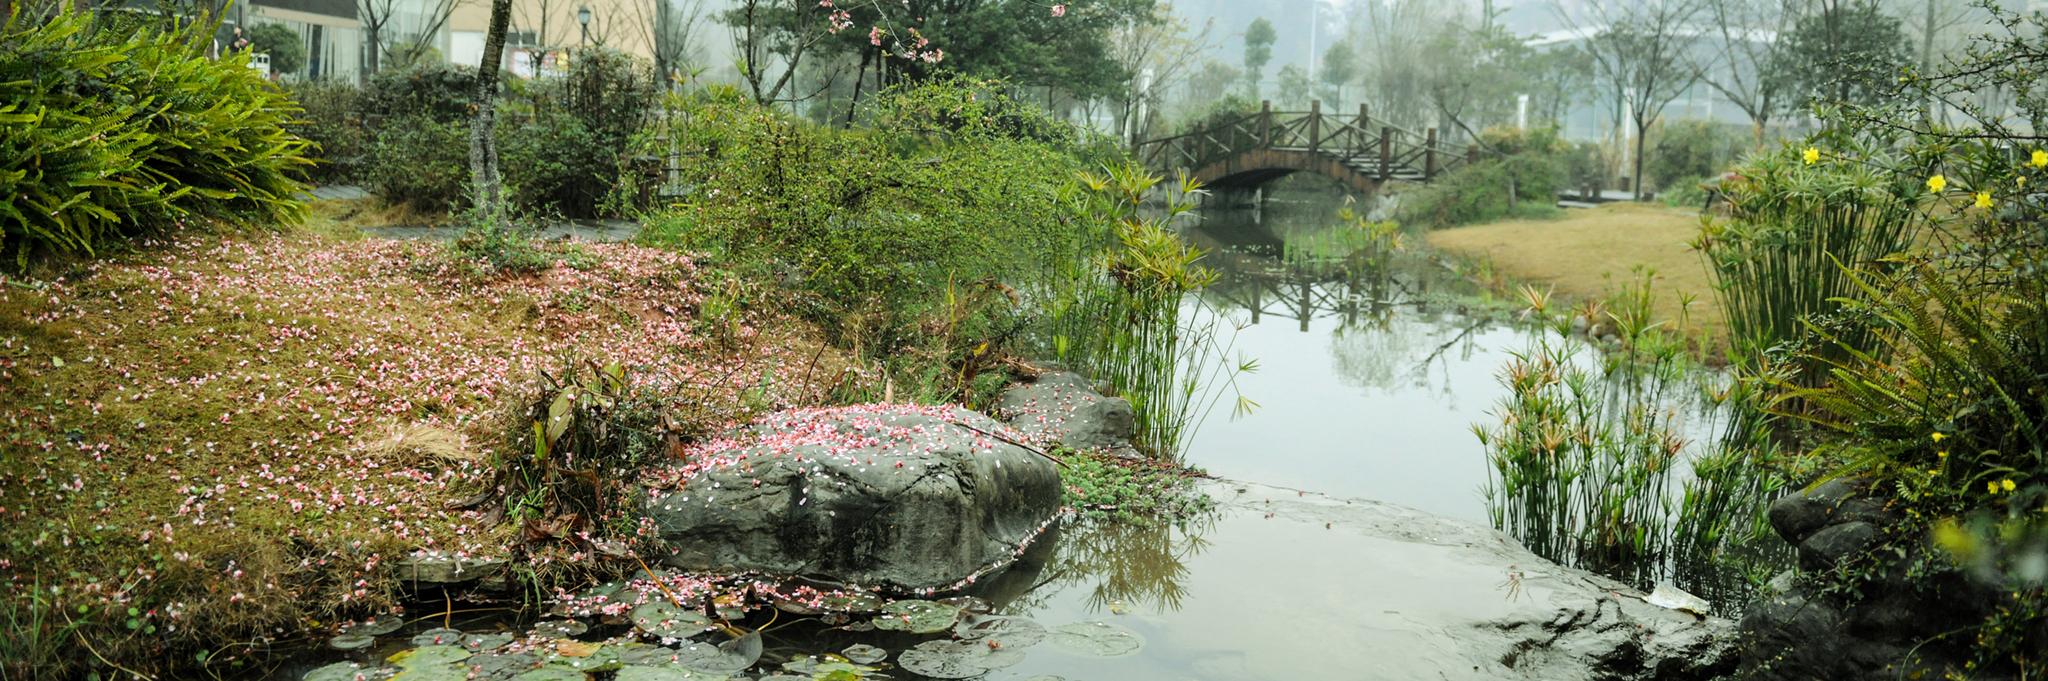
[1124, 563]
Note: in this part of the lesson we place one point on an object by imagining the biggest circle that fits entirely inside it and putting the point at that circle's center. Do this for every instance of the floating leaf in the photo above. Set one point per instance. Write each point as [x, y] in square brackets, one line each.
[552, 673]
[428, 656]
[1007, 632]
[956, 659]
[339, 671]
[863, 653]
[854, 602]
[437, 637]
[974, 604]
[351, 642]
[664, 673]
[477, 643]
[439, 672]
[731, 657]
[560, 628]
[498, 666]
[917, 617]
[1100, 639]
[668, 620]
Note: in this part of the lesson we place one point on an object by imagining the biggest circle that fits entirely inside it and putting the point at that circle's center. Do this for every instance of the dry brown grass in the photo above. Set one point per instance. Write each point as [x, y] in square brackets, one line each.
[1591, 253]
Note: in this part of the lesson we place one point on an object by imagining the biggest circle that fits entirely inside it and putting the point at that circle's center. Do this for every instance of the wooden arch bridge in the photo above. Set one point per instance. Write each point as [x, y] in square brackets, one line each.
[1248, 151]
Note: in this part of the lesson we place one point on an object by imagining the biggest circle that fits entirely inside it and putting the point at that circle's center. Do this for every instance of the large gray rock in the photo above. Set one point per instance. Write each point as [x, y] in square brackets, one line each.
[1802, 513]
[1064, 408]
[889, 496]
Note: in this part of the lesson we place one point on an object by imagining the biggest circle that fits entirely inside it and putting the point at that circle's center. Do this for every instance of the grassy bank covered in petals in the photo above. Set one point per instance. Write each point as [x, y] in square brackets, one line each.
[226, 438]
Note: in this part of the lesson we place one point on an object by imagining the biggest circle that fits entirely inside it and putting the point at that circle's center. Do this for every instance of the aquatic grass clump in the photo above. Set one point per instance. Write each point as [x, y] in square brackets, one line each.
[1355, 246]
[1591, 468]
[1127, 317]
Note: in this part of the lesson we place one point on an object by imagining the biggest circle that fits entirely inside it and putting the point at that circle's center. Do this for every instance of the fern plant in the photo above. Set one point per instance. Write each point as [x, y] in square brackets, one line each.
[110, 133]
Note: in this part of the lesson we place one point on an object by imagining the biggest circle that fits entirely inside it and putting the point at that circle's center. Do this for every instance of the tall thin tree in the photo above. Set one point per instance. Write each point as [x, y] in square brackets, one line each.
[483, 143]
[1643, 50]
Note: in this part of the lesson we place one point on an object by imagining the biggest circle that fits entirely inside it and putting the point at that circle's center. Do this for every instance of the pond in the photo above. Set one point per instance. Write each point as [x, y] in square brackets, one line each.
[1368, 389]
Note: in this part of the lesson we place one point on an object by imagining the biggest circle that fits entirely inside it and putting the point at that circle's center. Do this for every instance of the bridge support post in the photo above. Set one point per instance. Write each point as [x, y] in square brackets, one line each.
[1265, 124]
[1315, 125]
[1362, 130]
[1386, 153]
[1429, 156]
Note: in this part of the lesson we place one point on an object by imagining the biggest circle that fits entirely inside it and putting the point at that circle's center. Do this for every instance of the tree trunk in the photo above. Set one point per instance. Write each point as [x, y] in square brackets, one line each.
[483, 145]
[376, 51]
[1642, 133]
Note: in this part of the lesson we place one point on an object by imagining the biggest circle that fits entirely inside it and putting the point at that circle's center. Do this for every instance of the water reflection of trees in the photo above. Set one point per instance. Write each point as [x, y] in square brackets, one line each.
[1135, 562]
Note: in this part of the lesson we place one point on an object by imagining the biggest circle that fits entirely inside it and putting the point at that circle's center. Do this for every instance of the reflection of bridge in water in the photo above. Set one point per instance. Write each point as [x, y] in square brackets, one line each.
[1255, 276]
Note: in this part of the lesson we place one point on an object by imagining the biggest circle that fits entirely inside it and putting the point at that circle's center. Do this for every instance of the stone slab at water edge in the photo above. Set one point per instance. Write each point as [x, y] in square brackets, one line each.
[899, 497]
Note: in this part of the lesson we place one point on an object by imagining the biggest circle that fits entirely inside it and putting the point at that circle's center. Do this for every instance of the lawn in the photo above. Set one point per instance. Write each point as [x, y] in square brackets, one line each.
[234, 436]
[1589, 253]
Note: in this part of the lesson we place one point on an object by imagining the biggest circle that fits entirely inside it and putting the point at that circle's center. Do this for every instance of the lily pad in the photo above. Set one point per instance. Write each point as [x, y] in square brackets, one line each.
[855, 602]
[668, 620]
[552, 673]
[437, 672]
[437, 637]
[351, 642]
[956, 659]
[502, 665]
[664, 673]
[585, 657]
[862, 653]
[974, 604]
[1099, 639]
[428, 656]
[813, 668]
[339, 671]
[1007, 632]
[375, 626]
[477, 643]
[560, 628]
[724, 659]
[917, 617]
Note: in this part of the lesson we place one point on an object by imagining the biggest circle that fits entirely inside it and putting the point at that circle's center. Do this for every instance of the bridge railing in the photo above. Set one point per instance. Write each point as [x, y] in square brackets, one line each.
[1382, 148]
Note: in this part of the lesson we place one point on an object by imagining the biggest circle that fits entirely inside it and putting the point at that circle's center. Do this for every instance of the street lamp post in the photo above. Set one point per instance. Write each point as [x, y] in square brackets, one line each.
[583, 20]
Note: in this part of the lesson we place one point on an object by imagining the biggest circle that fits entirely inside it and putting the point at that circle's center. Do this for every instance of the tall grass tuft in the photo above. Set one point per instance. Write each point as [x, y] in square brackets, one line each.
[1590, 466]
[1779, 259]
[1126, 317]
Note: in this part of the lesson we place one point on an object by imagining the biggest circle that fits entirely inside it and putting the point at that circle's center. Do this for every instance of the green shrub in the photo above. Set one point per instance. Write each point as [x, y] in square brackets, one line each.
[331, 118]
[419, 161]
[962, 106]
[568, 155]
[109, 135]
[1684, 151]
[439, 92]
[1521, 180]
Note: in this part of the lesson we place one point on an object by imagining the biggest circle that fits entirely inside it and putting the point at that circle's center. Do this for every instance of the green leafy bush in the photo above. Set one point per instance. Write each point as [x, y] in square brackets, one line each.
[331, 118]
[567, 156]
[875, 237]
[1521, 180]
[440, 92]
[1683, 152]
[962, 106]
[109, 135]
[419, 161]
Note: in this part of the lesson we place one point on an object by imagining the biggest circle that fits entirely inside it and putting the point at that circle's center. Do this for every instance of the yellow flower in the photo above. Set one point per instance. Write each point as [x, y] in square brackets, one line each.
[2040, 159]
[1943, 455]
[1812, 155]
[1938, 436]
[1993, 486]
[2006, 485]
[1937, 183]
[1983, 199]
